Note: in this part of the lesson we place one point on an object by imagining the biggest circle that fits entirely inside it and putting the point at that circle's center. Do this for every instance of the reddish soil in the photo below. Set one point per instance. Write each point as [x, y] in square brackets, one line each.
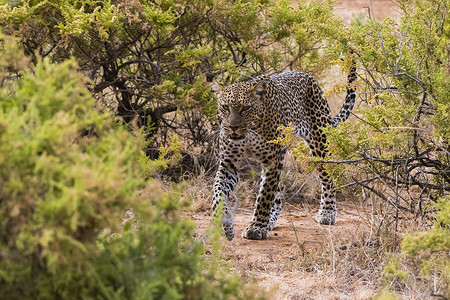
[289, 261]
[296, 225]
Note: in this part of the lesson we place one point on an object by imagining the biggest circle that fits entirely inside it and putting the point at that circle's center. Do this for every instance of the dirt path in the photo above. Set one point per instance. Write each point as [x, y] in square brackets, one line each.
[290, 260]
[296, 225]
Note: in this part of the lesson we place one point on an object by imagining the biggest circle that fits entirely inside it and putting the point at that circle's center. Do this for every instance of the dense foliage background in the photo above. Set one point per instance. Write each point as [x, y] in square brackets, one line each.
[95, 96]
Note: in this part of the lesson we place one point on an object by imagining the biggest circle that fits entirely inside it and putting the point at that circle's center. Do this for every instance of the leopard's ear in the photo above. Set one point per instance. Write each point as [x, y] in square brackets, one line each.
[259, 89]
[217, 88]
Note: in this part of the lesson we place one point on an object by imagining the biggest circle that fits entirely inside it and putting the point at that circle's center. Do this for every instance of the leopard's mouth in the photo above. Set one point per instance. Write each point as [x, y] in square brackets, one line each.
[235, 136]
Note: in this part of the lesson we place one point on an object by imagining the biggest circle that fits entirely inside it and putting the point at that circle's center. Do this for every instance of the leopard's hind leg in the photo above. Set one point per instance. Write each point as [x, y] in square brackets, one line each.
[275, 211]
[327, 210]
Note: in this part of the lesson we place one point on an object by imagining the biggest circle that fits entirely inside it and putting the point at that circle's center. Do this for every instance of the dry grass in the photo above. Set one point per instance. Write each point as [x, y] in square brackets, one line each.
[336, 267]
[198, 192]
[304, 260]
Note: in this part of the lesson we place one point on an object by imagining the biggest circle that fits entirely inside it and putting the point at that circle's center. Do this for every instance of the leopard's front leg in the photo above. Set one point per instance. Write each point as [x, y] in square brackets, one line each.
[224, 183]
[231, 153]
[268, 202]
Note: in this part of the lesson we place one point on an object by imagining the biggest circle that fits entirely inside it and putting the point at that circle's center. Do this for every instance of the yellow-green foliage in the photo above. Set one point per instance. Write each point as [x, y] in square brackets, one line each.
[68, 174]
[142, 46]
[433, 247]
[392, 271]
[404, 89]
[437, 239]
[59, 190]
[385, 295]
[77, 20]
[384, 124]
[286, 137]
[297, 149]
[430, 248]
[339, 142]
[169, 155]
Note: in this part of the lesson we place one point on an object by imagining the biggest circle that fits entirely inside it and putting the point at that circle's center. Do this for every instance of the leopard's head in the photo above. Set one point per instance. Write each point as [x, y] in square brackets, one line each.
[241, 106]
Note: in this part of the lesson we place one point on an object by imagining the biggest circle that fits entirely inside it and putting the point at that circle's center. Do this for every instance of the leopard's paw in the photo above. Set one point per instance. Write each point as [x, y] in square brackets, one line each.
[229, 231]
[326, 217]
[255, 233]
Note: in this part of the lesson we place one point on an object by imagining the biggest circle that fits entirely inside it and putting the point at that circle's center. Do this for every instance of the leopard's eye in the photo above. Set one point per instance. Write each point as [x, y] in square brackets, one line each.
[226, 108]
[246, 107]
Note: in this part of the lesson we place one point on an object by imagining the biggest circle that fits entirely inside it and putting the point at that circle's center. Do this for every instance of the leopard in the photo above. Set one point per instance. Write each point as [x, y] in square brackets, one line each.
[250, 114]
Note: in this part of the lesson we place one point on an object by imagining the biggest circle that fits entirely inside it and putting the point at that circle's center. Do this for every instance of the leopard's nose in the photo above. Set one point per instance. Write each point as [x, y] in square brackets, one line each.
[234, 128]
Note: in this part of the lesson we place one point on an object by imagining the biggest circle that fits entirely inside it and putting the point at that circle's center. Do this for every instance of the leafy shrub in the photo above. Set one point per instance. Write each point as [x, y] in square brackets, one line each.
[399, 140]
[67, 175]
[433, 247]
[425, 255]
[154, 59]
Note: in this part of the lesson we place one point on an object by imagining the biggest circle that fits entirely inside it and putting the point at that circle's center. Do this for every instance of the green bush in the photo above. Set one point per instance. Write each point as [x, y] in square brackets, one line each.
[67, 176]
[399, 138]
[425, 255]
[154, 59]
[432, 248]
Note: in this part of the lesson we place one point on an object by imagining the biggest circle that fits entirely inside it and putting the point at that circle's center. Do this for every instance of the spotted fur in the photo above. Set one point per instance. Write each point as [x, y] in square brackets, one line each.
[250, 113]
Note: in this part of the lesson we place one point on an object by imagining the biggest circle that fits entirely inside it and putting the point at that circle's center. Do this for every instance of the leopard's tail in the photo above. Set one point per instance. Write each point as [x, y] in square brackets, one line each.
[349, 102]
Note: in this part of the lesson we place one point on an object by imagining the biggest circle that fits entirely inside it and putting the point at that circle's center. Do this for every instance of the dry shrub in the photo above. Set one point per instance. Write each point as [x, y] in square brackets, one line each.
[197, 191]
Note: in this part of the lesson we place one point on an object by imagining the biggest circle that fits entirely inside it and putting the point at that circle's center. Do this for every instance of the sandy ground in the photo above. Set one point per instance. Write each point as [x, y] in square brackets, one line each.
[289, 261]
[296, 225]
